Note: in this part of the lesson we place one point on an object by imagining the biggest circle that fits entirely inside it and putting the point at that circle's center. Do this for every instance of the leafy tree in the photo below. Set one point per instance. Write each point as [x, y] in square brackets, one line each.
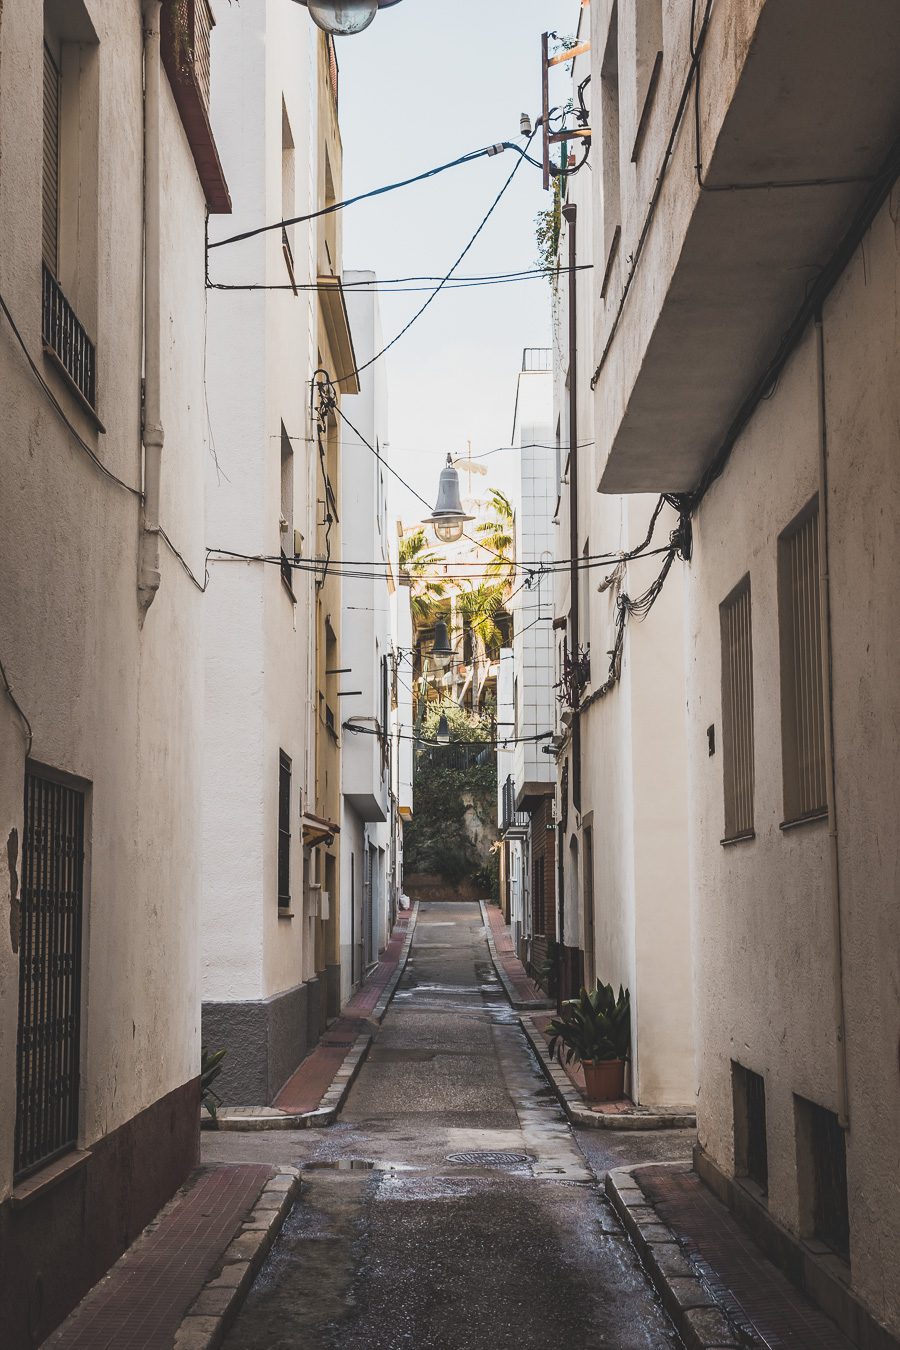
[417, 559]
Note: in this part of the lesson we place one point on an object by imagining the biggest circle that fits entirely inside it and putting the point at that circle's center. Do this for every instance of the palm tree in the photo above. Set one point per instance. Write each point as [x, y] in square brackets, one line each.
[417, 558]
[498, 535]
[479, 605]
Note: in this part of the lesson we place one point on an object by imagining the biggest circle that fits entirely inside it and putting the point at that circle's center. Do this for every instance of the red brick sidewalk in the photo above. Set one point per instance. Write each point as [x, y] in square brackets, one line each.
[523, 990]
[306, 1087]
[140, 1304]
[754, 1293]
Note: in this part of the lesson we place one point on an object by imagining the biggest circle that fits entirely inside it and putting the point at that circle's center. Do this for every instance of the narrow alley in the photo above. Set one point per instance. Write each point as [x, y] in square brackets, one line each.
[408, 1232]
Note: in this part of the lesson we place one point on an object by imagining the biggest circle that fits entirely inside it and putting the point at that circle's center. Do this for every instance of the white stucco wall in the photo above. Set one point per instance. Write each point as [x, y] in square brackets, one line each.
[763, 928]
[115, 704]
[257, 640]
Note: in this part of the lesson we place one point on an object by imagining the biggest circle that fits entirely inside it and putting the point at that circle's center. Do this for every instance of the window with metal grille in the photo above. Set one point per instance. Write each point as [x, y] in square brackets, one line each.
[751, 1155]
[49, 1026]
[822, 1176]
[737, 711]
[50, 213]
[284, 830]
[802, 706]
[538, 897]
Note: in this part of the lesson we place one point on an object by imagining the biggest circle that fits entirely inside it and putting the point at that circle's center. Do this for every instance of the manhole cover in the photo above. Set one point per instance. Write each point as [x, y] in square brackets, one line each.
[488, 1159]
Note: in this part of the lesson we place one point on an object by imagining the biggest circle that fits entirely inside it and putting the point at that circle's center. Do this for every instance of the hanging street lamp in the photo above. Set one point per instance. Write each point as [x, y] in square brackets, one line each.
[343, 18]
[448, 516]
[443, 730]
[441, 650]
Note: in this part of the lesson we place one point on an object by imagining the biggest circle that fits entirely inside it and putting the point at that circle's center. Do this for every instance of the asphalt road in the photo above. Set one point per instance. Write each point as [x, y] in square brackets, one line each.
[394, 1246]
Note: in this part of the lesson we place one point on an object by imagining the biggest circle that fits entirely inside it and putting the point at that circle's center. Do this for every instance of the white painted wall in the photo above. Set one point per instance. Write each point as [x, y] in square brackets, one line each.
[764, 944]
[115, 704]
[257, 639]
[634, 748]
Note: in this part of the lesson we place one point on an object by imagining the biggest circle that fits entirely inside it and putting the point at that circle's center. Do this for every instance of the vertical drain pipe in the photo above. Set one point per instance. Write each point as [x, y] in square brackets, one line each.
[570, 211]
[152, 428]
[834, 874]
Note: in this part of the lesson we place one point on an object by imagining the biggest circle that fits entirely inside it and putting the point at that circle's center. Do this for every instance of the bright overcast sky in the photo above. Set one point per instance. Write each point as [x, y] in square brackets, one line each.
[428, 81]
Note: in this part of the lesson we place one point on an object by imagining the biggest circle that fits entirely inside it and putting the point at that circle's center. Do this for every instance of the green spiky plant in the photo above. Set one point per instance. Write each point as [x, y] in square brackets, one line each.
[210, 1068]
[594, 1027]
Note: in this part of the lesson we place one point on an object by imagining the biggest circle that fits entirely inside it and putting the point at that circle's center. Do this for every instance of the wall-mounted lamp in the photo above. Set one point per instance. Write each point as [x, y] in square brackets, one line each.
[448, 516]
[343, 18]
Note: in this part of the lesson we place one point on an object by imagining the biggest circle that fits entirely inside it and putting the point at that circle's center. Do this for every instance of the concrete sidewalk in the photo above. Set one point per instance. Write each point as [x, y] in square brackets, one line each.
[520, 988]
[181, 1283]
[315, 1093]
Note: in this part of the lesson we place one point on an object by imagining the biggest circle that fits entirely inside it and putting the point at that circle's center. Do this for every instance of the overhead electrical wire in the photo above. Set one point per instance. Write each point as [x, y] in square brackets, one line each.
[444, 280]
[486, 150]
[379, 287]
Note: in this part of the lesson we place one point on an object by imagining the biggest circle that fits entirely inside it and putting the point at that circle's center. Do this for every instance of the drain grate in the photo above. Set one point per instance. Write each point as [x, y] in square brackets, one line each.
[488, 1159]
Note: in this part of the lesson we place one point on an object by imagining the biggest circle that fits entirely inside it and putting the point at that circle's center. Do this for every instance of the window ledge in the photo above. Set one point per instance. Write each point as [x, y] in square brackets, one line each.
[644, 119]
[812, 818]
[36, 1185]
[747, 837]
[52, 359]
[285, 913]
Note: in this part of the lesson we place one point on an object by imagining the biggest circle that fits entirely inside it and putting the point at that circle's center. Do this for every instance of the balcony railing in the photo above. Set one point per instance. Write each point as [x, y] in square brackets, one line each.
[185, 44]
[537, 358]
[513, 822]
[66, 338]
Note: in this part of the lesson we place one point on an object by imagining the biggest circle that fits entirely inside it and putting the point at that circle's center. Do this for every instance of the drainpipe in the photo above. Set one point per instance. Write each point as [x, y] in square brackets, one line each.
[834, 874]
[570, 212]
[152, 428]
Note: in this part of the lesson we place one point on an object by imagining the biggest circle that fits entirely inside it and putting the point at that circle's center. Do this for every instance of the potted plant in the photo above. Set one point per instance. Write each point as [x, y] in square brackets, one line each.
[595, 1029]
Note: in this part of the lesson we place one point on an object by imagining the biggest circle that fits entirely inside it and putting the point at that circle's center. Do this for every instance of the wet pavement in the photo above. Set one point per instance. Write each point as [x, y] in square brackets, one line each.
[398, 1241]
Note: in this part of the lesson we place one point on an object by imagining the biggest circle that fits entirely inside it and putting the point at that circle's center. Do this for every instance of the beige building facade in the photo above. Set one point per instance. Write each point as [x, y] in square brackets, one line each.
[745, 364]
[106, 176]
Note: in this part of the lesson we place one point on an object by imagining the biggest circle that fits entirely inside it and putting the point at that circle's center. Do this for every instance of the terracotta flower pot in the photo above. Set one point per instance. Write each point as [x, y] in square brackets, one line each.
[604, 1079]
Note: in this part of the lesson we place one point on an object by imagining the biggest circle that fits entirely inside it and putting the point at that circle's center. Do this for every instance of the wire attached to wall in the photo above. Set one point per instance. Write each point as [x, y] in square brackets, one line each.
[29, 733]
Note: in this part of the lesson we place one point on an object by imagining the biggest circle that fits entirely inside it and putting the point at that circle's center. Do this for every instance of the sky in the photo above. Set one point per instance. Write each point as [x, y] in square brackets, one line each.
[427, 81]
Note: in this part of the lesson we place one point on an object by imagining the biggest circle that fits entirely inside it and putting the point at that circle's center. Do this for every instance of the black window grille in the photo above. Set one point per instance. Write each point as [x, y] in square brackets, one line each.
[284, 831]
[831, 1217]
[66, 338]
[49, 1029]
[750, 1143]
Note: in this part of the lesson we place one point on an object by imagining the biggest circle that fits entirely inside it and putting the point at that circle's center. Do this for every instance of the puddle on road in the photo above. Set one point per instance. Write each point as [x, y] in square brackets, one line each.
[355, 1165]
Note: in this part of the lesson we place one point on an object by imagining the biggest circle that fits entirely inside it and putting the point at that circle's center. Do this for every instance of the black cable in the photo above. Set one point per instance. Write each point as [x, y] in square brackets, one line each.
[29, 734]
[73, 431]
[379, 287]
[378, 192]
[442, 283]
[201, 585]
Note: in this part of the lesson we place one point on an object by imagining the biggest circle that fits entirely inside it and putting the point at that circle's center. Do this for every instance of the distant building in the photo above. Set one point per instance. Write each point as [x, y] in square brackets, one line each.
[377, 661]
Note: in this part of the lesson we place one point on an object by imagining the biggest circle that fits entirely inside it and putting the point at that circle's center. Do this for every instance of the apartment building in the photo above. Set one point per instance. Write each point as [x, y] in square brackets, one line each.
[744, 362]
[107, 172]
[526, 710]
[622, 758]
[375, 663]
[278, 361]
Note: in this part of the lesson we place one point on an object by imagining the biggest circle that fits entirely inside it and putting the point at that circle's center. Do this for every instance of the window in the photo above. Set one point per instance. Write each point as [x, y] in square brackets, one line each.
[822, 1176]
[288, 194]
[539, 896]
[284, 830]
[648, 63]
[609, 146]
[49, 1026]
[751, 1155]
[802, 705]
[50, 218]
[287, 509]
[69, 237]
[737, 712]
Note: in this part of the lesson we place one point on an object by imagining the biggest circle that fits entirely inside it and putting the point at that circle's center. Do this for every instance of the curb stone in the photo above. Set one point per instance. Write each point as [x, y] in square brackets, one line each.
[216, 1306]
[518, 1003]
[247, 1118]
[571, 1101]
[698, 1318]
[381, 1007]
